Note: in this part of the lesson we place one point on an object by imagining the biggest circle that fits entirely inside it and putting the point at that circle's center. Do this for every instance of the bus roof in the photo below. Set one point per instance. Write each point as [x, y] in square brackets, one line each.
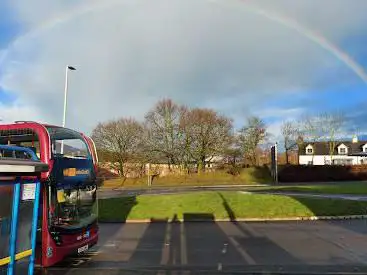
[31, 124]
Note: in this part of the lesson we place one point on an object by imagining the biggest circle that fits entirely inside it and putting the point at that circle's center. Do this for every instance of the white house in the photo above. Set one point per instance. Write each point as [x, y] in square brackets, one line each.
[346, 153]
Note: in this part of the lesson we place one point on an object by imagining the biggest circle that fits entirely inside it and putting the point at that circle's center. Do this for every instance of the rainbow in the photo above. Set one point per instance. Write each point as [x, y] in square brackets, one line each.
[270, 15]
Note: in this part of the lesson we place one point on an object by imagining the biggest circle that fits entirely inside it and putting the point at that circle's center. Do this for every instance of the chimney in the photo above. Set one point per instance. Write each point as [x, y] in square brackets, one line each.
[355, 139]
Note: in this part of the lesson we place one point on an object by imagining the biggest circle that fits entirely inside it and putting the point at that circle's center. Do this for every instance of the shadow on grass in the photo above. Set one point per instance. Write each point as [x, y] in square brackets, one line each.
[201, 217]
[122, 205]
[332, 207]
[229, 210]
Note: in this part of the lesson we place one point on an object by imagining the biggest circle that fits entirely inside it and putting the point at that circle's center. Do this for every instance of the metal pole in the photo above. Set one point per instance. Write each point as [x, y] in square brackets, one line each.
[276, 162]
[34, 228]
[65, 95]
[14, 227]
[65, 103]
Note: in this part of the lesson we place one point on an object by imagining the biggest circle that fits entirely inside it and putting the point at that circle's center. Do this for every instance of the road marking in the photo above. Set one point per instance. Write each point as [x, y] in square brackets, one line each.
[110, 245]
[220, 266]
[244, 254]
[224, 250]
[91, 253]
[166, 245]
[77, 263]
[183, 244]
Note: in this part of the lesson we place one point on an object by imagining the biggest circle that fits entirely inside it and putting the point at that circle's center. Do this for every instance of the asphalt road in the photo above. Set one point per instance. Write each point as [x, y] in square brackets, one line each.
[110, 193]
[315, 247]
[320, 196]
[116, 193]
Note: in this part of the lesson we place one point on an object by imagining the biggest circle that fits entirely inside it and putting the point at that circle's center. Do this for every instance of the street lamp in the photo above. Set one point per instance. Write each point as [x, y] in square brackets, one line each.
[67, 69]
[66, 91]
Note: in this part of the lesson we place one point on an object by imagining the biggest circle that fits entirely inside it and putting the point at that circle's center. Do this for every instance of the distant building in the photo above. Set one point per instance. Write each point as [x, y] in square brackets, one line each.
[345, 153]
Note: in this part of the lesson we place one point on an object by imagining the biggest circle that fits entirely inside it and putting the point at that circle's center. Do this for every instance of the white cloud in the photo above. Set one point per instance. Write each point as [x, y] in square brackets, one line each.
[280, 113]
[275, 129]
[14, 112]
[203, 53]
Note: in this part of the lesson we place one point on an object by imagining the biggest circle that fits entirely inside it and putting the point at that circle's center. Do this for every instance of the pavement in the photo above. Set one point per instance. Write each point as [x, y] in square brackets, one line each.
[315, 195]
[303, 247]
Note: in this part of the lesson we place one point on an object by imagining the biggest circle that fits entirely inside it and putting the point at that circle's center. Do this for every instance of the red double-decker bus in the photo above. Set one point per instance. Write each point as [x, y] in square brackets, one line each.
[69, 210]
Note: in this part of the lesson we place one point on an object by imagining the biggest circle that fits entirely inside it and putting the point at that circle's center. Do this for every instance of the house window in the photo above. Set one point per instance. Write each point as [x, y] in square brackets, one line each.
[309, 151]
[342, 150]
[365, 149]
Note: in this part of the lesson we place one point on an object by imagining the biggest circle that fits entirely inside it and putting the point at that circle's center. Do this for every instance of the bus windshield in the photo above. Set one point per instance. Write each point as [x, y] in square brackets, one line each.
[67, 143]
[74, 208]
[72, 199]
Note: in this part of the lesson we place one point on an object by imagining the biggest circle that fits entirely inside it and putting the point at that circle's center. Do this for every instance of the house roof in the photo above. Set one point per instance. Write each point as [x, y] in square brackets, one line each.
[322, 148]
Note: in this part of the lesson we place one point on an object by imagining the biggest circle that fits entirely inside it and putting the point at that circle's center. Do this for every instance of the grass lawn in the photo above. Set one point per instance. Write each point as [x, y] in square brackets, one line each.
[253, 175]
[228, 204]
[352, 188]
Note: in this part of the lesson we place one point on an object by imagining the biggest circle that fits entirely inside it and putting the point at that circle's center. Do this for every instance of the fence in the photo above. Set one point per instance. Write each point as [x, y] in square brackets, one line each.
[313, 173]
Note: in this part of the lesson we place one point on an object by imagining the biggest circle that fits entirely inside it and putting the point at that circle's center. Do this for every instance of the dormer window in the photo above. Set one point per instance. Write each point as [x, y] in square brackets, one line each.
[364, 148]
[309, 150]
[342, 149]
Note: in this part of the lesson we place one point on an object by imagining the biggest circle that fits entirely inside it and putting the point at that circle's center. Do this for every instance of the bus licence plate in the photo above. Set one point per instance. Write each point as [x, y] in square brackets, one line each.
[82, 249]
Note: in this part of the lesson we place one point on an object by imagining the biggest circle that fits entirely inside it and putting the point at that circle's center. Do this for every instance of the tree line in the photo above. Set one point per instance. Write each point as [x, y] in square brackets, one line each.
[325, 127]
[175, 134]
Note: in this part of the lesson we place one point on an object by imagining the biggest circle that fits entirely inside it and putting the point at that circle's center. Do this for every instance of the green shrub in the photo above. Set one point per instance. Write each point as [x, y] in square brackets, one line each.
[234, 170]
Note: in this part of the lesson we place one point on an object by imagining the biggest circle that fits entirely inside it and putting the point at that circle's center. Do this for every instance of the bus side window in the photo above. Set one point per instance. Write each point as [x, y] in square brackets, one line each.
[8, 154]
[22, 155]
[33, 145]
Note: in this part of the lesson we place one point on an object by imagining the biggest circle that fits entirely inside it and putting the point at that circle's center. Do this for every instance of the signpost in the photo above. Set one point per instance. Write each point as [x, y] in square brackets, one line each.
[274, 162]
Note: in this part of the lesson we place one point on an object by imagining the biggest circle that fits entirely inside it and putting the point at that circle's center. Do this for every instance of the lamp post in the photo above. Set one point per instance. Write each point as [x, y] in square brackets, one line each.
[67, 69]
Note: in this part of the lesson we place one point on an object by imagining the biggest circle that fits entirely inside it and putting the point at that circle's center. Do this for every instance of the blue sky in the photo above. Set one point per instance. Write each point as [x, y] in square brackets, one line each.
[218, 54]
[9, 28]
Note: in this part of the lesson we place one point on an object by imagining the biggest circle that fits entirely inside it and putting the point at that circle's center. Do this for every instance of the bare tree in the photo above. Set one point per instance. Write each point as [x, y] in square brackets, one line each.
[300, 138]
[122, 138]
[233, 152]
[312, 130]
[312, 127]
[323, 126]
[331, 126]
[250, 136]
[291, 133]
[185, 139]
[208, 134]
[163, 122]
